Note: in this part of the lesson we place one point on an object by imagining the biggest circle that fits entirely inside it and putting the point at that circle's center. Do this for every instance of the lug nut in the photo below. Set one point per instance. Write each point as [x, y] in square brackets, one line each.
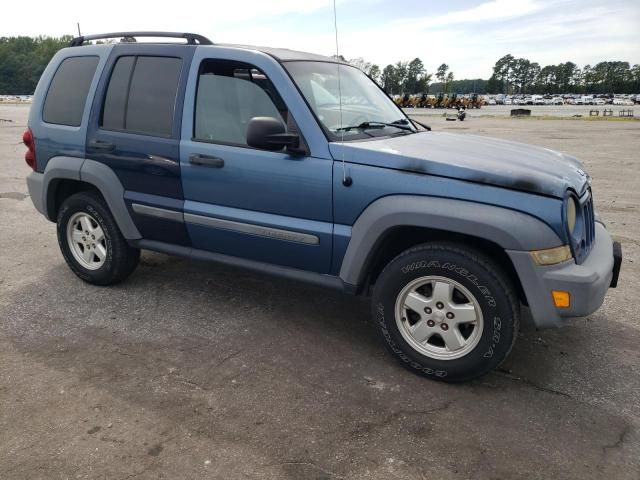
[450, 315]
[439, 305]
[444, 326]
[427, 310]
[430, 323]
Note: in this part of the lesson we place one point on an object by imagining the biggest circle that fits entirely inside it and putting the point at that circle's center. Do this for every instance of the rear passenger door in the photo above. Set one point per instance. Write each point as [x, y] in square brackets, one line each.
[134, 129]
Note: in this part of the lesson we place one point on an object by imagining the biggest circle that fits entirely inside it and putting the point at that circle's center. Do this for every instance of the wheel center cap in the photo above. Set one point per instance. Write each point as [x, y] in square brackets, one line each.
[438, 317]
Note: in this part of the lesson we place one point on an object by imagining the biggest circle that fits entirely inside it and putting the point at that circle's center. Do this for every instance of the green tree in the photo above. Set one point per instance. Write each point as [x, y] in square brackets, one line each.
[588, 78]
[389, 80]
[565, 75]
[448, 81]
[374, 72]
[503, 71]
[22, 61]
[547, 79]
[524, 74]
[635, 78]
[402, 70]
[441, 73]
[415, 70]
[495, 85]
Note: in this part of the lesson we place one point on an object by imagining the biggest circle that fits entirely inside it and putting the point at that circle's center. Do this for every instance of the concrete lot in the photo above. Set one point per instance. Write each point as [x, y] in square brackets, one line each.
[193, 370]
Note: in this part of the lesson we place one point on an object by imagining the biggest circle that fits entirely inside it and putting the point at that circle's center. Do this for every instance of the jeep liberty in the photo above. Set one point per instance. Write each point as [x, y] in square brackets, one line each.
[300, 165]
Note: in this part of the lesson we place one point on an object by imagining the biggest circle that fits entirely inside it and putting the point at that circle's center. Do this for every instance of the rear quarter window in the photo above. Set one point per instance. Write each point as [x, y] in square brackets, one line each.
[67, 94]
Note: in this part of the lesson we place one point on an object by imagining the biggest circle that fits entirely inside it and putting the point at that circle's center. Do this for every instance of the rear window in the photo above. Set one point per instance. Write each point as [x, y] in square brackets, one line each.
[68, 91]
[141, 95]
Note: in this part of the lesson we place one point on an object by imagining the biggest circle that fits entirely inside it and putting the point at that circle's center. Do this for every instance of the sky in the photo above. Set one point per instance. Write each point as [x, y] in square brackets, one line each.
[468, 35]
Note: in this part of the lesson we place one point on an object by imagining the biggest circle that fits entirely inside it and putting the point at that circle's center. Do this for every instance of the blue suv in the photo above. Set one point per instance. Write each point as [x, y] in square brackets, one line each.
[299, 165]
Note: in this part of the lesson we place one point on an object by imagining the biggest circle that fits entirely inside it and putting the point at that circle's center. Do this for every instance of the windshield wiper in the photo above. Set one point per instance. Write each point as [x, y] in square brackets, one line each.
[426, 127]
[404, 121]
[400, 124]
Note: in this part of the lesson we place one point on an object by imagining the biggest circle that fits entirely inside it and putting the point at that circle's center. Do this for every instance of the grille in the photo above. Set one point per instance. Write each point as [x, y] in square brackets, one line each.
[587, 234]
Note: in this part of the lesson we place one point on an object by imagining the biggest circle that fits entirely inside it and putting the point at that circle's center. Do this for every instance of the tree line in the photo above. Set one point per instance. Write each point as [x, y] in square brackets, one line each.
[510, 75]
[519, 75]
[23, 59]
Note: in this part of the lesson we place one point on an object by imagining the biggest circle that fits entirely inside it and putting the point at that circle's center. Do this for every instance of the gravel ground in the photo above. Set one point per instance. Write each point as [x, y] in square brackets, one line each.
[194, 370]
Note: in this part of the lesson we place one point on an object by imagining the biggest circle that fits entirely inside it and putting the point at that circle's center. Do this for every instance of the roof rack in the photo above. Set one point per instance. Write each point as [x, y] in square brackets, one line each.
[130, 37]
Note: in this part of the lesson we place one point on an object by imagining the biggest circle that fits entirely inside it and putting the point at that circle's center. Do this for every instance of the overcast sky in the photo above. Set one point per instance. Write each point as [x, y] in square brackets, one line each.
[469, 35]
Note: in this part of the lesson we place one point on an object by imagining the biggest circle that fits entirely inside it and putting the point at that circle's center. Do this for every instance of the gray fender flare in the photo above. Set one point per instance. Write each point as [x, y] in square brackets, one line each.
[509, 229]
[100, 176]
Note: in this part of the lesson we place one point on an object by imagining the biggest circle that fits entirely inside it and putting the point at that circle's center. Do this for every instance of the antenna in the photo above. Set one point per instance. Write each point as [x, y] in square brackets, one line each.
[79, 34]
[346, 181]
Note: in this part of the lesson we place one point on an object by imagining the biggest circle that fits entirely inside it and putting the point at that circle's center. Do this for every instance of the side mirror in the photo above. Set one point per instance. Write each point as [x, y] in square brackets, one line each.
[268, 133]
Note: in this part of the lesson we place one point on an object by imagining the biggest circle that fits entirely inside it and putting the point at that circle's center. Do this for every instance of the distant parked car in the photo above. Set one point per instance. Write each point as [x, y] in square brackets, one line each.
[557, 101]
[599, 101]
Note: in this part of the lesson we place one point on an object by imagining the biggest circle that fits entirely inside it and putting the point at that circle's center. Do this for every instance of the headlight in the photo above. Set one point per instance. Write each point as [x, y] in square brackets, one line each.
[571, 213]
[551, 256]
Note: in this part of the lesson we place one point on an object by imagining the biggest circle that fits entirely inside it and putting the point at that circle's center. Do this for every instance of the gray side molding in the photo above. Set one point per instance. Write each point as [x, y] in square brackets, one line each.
[103, 178]
[510, 229]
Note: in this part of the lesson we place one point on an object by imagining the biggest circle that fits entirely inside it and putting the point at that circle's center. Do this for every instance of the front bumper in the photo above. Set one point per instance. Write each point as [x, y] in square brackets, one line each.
[587, 283]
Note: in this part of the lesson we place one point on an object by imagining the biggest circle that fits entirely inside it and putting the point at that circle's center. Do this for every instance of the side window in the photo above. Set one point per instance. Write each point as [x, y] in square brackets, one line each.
[67, 94]
[229, 95]
[113, 113]
[141, 95]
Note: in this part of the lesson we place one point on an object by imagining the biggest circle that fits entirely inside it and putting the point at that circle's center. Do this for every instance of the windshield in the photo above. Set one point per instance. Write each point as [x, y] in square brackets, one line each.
[366, 110]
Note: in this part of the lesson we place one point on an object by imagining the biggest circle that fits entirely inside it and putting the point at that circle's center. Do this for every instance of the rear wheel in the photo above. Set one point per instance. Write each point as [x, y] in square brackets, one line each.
[91, 242]
[446, 311]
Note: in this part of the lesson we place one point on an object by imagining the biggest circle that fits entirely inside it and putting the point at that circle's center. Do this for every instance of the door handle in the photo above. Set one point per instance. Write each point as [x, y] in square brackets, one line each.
[206, 161]
[102, 146]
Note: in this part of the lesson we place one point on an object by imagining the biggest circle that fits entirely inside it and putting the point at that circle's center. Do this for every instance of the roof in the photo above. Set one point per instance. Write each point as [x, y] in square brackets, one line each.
[284, 54]
[280, 54]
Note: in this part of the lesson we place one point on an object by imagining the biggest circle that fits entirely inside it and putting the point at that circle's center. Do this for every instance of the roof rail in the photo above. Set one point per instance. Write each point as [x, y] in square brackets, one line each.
[192, 38]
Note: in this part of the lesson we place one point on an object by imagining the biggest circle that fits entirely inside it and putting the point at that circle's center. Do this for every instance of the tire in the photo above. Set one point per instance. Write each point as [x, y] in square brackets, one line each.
[113, 259]
[477, 288]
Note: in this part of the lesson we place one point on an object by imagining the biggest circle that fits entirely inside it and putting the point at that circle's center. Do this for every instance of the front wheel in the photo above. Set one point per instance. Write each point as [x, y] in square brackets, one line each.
[446, 311]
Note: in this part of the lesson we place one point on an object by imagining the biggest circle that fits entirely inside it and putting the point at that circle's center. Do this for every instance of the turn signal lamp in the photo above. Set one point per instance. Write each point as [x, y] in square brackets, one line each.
[561, 299]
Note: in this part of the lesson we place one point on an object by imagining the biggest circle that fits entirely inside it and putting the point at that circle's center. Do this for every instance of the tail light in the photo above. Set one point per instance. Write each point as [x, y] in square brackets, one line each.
[30, 154]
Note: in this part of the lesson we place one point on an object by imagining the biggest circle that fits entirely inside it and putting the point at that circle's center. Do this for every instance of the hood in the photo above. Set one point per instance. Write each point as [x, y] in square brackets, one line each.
[473, 158]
